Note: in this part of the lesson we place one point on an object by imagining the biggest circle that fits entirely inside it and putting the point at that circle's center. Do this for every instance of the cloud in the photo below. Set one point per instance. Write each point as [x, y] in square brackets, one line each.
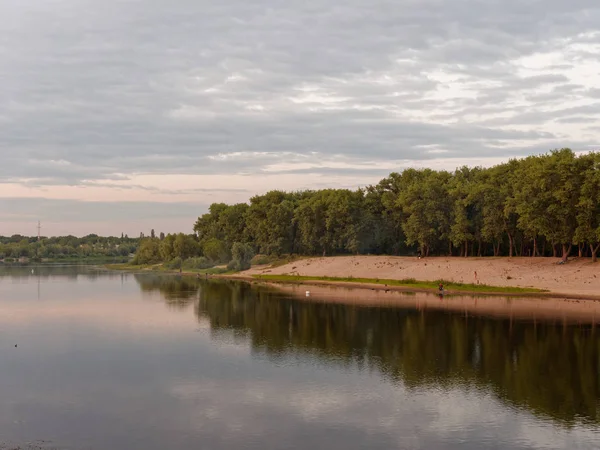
[103, 94]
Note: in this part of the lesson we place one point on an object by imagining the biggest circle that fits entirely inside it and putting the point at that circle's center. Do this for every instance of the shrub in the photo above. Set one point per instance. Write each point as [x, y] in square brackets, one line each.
[215, 250]
[242, 255]
[260, 260]
[175, 263]
[197, 263]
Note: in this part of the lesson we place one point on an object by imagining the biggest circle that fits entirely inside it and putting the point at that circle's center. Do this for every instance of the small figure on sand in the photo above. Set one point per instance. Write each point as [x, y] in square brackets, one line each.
[476, 279]
[419, 254]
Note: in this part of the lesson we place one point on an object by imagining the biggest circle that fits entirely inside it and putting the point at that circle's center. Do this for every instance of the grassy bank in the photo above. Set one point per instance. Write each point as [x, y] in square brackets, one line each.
[407, 283]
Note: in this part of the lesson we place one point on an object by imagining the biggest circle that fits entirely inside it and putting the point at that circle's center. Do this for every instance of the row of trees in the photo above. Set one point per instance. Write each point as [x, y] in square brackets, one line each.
[538, 206]
[186, 251]
[92, 245]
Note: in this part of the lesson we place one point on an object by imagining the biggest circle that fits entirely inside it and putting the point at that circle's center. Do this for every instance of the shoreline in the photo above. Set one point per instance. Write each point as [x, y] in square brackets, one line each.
[407, 288]
[498, 276]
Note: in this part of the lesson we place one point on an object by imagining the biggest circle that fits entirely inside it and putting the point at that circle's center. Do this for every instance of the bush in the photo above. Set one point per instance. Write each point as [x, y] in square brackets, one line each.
[197, 263]
[242, 255]
[175, 263]
[234, 265]
[215, 250]
[260, 260]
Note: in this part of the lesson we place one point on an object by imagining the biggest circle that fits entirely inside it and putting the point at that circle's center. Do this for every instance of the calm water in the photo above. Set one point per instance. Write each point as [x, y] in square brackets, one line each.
[123, 361]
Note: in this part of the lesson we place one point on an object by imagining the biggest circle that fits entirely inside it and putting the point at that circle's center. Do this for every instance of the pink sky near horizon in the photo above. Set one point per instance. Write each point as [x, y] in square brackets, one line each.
[161, 193]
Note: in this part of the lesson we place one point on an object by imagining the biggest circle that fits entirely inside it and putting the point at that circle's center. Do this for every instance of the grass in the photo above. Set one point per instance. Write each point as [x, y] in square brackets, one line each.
[409, 282]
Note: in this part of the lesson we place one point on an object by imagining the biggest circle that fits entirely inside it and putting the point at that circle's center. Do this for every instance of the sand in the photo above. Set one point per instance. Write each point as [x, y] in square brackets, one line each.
[577, 277]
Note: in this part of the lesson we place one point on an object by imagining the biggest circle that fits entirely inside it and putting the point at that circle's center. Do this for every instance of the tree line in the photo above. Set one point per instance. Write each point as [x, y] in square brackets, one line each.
[541, 205]
[18, 247]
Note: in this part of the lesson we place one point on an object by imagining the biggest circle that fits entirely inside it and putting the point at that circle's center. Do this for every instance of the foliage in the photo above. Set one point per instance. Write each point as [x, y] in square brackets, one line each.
[175, 263]
[215, 250]
[259, 260]
[242, 255]
[540, 205]
[148, 252]
[197, 263]
[66, 247]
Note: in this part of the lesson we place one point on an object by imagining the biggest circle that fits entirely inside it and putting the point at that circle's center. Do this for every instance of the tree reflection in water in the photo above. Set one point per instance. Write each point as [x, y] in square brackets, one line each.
[551, 369]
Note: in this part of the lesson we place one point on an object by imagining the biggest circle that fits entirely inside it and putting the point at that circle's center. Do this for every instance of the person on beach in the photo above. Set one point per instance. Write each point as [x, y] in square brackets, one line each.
[476, 279]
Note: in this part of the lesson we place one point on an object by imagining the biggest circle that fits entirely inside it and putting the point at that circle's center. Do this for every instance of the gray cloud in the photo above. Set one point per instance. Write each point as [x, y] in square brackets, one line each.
[51, 210]
[93, 93]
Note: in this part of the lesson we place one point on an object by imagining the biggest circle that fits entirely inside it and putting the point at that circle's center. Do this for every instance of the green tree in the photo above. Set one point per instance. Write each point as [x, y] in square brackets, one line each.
[241, 256]
[215, 250]
[148, 252]
[588, 207]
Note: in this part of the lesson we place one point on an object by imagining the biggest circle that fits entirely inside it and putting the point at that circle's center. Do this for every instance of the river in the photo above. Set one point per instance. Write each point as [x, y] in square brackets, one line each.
[91, 359]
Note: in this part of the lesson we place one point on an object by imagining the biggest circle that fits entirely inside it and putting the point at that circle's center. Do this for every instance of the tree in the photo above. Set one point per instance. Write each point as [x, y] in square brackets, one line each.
[152, 233]
[148, 252]
[588, 207]
[426, 205]
[241, 256]
[215, 250]
[270, 222]
[546, 197]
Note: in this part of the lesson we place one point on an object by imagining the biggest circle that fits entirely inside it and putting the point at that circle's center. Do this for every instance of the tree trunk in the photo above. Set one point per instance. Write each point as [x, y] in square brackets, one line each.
[510, 245]
[522, 247]
[466, 249]
[535, 250]
[566, 249]
[449, 248]
[426, 250]
[581, 250]
[479, 247]
[554, 250]
[594, 251]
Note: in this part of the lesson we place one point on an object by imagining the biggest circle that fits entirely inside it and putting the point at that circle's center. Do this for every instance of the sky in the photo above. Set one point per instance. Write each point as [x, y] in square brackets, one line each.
[127, 115]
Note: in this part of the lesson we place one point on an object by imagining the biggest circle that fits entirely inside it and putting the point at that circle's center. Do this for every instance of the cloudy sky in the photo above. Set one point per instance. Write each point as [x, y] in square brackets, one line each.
[126, 115]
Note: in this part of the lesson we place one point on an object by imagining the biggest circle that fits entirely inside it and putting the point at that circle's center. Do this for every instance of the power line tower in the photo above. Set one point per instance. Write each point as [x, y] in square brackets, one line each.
[39, 228]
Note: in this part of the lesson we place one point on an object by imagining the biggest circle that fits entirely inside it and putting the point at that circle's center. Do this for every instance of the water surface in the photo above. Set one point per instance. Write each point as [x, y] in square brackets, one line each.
[122, 361]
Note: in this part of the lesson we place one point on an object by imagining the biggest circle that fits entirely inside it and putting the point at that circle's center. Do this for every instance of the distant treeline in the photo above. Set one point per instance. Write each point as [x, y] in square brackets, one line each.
[63, 247]
[540, 205]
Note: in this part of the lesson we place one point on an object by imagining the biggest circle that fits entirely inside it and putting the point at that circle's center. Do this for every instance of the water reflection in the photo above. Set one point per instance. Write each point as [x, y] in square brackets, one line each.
[178, 292]
[546, 367]
[46, 272]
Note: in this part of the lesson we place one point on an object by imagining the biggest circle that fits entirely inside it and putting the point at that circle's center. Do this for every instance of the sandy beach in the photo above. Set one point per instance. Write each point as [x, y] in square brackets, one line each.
[577, 277]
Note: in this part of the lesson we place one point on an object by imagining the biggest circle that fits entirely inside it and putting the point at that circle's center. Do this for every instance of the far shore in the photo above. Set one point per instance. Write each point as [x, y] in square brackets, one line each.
[495, 276]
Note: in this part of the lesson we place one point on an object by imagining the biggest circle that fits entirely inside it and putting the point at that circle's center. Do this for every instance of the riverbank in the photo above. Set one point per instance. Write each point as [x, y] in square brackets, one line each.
[579, 278]
[530, 277]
